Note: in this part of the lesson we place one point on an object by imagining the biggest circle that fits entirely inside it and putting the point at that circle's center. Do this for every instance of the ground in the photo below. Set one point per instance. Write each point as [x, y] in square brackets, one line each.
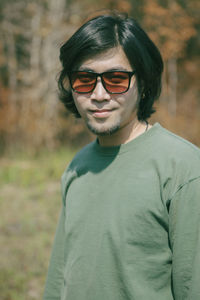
[30, 202]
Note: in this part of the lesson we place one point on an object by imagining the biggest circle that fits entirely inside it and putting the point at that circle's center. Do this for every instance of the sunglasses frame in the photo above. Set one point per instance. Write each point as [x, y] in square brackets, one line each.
[130, 74]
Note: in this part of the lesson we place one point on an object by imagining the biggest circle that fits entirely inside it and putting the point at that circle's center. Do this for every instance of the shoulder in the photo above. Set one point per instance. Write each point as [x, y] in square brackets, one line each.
[74, 168]
[176, 159]
[81, 158]
[174, 146]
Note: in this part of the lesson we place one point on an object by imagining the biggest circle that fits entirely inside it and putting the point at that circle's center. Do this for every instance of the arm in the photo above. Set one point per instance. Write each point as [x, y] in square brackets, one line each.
[184, 228]
[54, 279]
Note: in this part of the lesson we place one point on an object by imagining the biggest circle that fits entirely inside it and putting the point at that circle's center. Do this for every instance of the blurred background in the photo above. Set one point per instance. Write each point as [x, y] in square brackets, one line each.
[38, 137]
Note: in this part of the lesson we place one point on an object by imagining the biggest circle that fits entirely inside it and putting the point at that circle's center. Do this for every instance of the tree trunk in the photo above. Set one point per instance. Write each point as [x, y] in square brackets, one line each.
[173, 78]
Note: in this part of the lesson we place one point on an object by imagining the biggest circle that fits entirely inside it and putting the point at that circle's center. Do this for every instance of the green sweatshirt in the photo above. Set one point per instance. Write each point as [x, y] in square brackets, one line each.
[129, 227]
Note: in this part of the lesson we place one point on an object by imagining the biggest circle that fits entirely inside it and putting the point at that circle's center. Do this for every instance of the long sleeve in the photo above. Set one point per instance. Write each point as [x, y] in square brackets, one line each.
[184, 220]
[54, 279]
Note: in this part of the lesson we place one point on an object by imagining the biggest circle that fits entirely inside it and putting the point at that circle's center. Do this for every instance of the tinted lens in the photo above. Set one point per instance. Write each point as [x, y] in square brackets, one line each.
[116, 82]
[83, 82]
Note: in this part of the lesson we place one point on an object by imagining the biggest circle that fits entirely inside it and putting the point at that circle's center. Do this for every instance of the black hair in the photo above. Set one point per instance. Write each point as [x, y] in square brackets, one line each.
[106, 32]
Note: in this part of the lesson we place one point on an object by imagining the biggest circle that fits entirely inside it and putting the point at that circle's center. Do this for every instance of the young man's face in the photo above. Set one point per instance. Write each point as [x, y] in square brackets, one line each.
[108, 114]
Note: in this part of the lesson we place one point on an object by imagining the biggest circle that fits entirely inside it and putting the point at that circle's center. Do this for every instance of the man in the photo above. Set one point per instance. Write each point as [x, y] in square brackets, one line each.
[130, 221]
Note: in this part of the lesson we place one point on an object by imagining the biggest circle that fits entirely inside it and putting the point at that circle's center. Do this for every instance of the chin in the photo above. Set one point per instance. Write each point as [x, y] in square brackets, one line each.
[103, 131]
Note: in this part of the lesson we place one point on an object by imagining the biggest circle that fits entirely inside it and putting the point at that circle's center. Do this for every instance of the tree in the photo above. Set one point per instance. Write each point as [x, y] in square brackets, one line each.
[171, 27]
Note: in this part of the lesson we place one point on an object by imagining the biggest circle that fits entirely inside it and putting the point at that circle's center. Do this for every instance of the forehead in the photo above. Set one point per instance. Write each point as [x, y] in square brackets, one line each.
[114, 58]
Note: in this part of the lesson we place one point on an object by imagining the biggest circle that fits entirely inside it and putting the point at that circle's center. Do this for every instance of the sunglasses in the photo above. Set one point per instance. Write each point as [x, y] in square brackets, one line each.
[114, 82]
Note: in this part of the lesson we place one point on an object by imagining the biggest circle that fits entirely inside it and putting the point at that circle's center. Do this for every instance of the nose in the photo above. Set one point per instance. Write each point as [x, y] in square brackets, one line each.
[100, 93]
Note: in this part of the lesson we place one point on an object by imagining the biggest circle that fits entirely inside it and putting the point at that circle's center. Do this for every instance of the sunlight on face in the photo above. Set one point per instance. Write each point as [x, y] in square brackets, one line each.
[104, 113]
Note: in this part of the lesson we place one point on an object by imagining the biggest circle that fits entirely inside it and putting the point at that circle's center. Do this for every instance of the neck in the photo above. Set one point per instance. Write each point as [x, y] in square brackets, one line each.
[125, 134]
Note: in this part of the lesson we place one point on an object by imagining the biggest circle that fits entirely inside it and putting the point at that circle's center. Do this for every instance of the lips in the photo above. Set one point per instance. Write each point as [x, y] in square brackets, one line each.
[101, 113]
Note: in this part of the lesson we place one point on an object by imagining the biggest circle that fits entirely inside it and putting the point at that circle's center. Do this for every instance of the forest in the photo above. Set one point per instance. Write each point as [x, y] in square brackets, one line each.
[32, 31]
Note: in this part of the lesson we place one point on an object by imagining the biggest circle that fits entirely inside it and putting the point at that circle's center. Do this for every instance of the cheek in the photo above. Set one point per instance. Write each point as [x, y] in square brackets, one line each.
[132, 98]
[129, 100]
[134, 88]
[79, 103]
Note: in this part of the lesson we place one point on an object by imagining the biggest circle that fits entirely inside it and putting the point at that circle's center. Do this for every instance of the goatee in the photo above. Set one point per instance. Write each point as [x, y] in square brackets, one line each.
[103, 131]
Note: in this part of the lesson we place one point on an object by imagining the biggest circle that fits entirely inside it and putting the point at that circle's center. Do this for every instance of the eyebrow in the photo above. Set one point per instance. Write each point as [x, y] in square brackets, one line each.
[116, 68]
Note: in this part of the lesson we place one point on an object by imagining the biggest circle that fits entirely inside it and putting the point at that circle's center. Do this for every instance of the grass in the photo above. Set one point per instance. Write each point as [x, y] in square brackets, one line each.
[30, 203]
